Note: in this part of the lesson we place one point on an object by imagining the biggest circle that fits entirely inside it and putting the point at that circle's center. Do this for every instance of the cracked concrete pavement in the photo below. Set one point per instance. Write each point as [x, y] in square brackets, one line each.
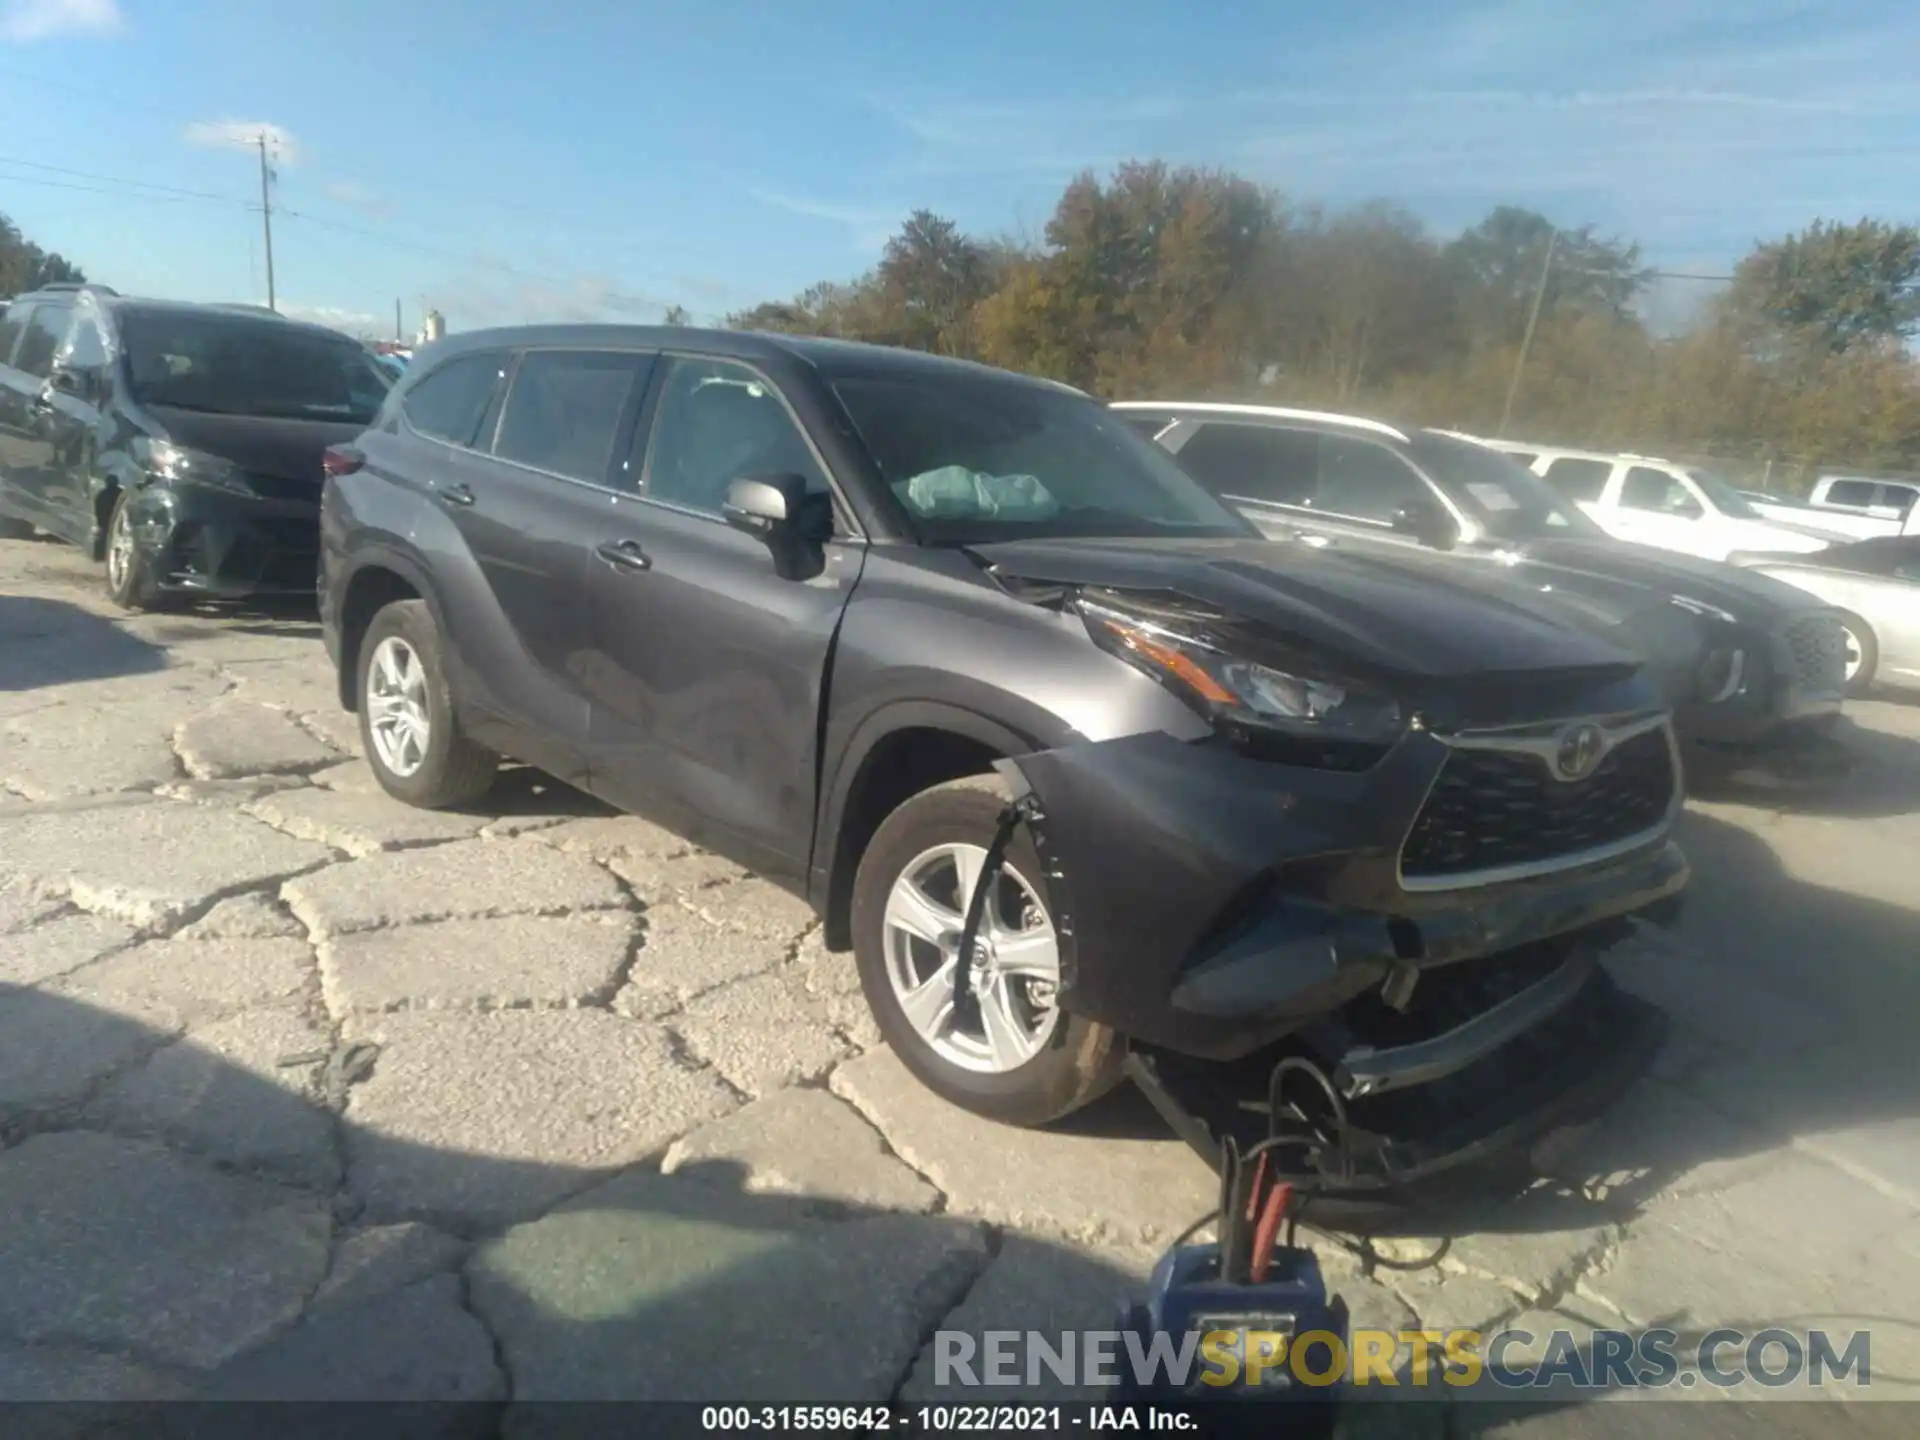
[303, 1093]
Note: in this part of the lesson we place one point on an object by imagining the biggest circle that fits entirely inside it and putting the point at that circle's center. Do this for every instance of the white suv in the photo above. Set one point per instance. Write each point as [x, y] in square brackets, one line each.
[1663, 503]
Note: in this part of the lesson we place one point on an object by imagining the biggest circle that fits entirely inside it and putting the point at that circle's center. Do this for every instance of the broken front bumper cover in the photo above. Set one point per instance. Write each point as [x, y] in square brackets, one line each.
[1416, 1149]
[1208, 905]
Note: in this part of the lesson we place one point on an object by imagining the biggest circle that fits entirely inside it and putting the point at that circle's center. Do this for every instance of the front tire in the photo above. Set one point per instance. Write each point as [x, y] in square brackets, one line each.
[408, 729]
[130, 582]
[1022, 1060]
[1863, 654]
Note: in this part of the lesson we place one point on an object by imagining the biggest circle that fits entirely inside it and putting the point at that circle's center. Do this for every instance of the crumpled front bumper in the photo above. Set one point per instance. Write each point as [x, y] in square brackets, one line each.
[1209, 905]
[202, 541]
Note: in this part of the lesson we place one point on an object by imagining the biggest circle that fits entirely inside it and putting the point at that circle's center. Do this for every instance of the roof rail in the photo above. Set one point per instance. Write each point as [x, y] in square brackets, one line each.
[1278, 412]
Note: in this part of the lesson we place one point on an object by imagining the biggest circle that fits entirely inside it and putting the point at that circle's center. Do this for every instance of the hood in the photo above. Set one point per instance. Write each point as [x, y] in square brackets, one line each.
[281, 449]
[1368, 610]
[1611, 569]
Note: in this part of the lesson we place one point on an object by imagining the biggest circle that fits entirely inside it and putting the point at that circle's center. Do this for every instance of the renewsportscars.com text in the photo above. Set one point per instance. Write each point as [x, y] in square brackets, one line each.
[1519, 1359]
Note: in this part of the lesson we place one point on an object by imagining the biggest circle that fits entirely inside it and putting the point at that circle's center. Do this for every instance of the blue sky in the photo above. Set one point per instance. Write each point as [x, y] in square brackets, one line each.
[595, 160]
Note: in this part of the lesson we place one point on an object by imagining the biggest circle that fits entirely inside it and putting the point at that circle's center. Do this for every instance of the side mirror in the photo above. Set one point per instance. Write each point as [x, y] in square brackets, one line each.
[1426, 522]
[778, 510]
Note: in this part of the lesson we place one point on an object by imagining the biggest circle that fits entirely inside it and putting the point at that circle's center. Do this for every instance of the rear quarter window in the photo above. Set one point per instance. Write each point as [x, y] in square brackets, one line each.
[450, 403]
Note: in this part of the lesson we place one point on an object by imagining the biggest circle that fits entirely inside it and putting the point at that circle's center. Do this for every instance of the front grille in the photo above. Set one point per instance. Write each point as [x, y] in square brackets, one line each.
[1490, 809]
[1819, 649]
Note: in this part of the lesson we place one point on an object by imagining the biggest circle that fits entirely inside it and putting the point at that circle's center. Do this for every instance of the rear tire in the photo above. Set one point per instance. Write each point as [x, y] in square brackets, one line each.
[12, 529]
[1862, 641]
[1069, 1061]
[408, 728]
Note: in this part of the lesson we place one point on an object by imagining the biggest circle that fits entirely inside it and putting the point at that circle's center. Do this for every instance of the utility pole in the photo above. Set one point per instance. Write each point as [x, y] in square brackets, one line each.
[266, 216]
[399, 335]
[1526, 342]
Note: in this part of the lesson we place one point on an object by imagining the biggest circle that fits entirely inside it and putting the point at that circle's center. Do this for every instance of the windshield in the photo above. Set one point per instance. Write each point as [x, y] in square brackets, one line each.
[982, 460]
[1724, 495]
[1509, 501]
[229, 365]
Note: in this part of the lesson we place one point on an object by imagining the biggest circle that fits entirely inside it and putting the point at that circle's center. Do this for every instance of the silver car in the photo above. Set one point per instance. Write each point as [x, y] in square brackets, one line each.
[1877, 583]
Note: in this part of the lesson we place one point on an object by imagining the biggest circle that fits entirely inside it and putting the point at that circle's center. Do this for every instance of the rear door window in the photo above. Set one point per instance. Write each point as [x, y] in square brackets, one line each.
[448, 404]
[1579, 479]
[1254, 462]
[564, 410]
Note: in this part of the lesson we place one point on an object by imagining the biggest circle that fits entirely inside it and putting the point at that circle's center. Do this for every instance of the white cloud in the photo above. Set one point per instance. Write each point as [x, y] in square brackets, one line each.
[24, 21]
[354, 322]
[477, 299]
[867, 227]
[357, 197]
[245, 134]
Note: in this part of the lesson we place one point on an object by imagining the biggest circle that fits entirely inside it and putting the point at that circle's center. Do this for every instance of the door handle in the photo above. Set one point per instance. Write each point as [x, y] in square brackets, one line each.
[454, 495]
[624, 555]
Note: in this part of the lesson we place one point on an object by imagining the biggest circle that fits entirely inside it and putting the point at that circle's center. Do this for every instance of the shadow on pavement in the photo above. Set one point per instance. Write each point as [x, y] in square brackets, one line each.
[136, 1272]
[52, 642]
[1877, 774]
[138, 1276]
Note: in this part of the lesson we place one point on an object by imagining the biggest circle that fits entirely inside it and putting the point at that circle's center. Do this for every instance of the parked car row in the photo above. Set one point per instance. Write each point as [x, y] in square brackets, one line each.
[1293, 754]
[1745, 663]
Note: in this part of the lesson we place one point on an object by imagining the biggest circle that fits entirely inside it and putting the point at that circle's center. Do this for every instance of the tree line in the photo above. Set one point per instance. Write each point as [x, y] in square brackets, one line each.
[25, 266]
[1176, 282]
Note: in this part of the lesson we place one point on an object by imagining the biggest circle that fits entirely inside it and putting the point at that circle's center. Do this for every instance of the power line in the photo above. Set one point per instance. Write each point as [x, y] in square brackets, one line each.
[114, 180]
[649, 301]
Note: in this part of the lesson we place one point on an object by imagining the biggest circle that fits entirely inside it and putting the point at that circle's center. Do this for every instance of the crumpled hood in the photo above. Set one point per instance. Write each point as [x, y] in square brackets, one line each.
[282, 449]
[1414, 620]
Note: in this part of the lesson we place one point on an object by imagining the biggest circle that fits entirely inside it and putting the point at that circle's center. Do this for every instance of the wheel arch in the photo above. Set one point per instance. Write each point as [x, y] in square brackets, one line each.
[375, 582]
[897, 752]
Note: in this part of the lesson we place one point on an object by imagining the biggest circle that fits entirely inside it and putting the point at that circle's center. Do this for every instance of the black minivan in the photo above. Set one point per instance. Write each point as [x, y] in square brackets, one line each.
[179, 443]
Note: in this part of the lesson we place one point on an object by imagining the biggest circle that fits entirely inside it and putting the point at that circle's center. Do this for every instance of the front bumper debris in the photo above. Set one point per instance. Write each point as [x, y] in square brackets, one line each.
[1419, 1144]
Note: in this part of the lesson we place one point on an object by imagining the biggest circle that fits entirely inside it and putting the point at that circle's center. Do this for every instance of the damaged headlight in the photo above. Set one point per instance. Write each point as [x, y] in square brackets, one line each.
[178, 465]
[1298, 700]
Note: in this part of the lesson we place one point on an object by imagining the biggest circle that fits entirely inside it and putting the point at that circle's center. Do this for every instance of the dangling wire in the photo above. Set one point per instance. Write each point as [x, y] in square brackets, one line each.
[1011, 818]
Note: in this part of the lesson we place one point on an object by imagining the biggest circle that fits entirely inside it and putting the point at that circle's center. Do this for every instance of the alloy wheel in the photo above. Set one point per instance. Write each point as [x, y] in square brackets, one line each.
[398, 718]
[119, 550]
[1015, 978]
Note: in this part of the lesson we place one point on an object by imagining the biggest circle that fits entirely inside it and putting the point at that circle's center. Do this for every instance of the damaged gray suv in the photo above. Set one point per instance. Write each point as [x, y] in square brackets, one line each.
[1265, 827]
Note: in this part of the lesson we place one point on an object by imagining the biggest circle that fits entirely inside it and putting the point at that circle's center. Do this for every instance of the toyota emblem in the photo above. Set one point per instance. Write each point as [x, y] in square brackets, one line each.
[1579, 752]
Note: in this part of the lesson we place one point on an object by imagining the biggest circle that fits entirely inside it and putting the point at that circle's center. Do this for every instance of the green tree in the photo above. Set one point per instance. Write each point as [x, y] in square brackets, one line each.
[929, 280]
[1498, 264]
[25, 266]
[1834, 285]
